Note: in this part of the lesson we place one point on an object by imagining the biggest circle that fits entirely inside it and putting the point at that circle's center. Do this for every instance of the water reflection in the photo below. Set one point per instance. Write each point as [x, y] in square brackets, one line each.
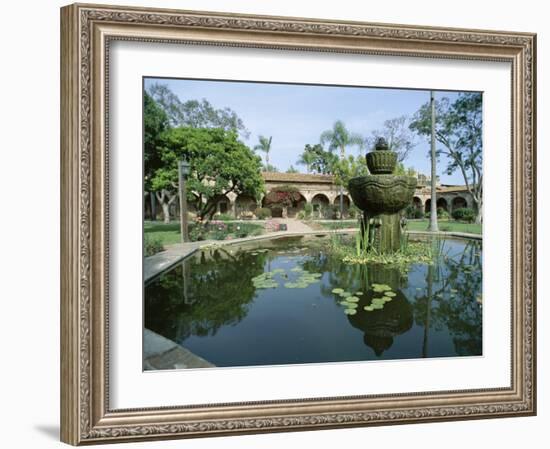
[210, 305]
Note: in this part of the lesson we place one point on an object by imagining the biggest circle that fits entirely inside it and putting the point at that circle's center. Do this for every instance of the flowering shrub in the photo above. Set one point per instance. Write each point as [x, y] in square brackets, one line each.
[287, 196]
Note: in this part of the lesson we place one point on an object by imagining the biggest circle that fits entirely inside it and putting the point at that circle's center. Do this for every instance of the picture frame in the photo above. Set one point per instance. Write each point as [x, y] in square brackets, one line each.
[87, 31]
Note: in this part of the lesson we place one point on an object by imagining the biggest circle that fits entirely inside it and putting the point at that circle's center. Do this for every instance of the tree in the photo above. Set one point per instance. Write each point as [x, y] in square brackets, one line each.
[397, 133]
[458, 129]
[270, 168]
[155, 122]
[291, 169]
[306, 158]
[220, 164]
[195, 113]
[349, 167]
[317, 159]
[338, 138]
[264, 145]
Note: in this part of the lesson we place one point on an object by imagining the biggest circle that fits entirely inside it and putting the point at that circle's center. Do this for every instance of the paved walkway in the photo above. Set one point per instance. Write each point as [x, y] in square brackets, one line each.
[161, 353]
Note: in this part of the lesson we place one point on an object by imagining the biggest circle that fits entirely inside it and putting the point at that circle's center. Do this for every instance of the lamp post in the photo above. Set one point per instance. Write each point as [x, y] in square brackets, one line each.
[183, 171]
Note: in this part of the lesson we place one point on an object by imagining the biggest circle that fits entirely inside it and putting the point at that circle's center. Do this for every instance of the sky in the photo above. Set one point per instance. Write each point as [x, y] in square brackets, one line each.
[295, 115]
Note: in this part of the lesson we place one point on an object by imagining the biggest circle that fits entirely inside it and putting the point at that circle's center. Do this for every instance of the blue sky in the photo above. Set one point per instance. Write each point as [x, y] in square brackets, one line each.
[297, 114]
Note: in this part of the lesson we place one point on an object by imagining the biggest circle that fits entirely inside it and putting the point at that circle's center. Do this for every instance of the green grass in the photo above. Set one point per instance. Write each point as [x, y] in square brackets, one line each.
[168, 234]
[337, 224]
[445, 226]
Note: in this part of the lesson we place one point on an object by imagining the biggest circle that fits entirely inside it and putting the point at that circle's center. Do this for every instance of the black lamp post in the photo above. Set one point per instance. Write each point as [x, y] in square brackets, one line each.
[183, 172]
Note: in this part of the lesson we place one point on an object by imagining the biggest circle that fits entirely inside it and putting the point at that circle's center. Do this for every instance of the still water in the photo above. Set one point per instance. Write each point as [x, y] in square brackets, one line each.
[220, 304]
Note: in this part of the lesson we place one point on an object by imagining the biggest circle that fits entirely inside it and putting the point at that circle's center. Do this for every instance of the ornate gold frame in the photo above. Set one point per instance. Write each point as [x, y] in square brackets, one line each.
[86, 32]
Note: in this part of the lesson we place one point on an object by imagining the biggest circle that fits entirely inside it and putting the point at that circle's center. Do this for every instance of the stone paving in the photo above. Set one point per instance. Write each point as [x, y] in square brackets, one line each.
[161, 353]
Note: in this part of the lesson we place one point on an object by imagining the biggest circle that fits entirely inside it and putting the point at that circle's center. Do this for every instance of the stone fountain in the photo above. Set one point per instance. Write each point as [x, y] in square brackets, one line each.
[382, 196]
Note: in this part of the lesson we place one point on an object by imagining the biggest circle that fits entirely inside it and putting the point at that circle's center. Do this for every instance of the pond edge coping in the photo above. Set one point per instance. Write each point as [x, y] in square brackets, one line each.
[157, 264]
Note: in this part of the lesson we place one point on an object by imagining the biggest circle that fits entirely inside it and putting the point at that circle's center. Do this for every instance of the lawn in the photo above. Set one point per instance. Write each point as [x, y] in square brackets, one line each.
[445, 226]
[336, 224]
[166, 233]
[412, 225]
[169, 233]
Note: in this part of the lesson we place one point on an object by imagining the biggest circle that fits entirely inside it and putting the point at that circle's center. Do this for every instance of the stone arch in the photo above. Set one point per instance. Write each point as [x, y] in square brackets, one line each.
[320, 203]
[346, 203]
[417, 202]
[442, 203]
[223, 204]
[245, 205]
[458, 203]
[292, 211]
[427, 205]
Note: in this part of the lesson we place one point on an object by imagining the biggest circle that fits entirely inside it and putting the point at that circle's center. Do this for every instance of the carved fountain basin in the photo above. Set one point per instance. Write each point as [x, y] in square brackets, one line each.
[377, 194]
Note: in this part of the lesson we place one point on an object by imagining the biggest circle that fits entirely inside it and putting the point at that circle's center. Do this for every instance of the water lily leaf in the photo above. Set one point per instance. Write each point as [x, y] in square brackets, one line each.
[352, 305]
[359, 293]
[454, 290]
[337, 290]
[378, 300]
[350, 311]
[377, 306]
[278, 271]
[390, 294]
[296, 269]
[345, 294]
[368, 308]
[352, 299]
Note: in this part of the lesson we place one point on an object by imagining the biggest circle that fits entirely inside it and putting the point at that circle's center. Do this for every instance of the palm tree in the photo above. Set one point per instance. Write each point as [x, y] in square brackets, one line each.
[265, 146]
[338, 138]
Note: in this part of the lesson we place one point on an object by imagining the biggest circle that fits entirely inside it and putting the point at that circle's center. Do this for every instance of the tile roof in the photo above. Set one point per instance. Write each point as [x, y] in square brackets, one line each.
[297, 177]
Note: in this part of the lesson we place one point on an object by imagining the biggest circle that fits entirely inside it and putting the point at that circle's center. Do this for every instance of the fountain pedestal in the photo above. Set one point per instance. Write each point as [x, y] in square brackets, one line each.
[382, 196]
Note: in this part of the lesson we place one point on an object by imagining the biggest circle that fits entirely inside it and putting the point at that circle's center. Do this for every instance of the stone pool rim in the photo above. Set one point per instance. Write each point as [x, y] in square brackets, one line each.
[167, 259]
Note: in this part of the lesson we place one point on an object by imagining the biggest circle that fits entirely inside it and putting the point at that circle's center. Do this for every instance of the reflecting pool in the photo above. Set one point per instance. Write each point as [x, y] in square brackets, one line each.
[289, 301]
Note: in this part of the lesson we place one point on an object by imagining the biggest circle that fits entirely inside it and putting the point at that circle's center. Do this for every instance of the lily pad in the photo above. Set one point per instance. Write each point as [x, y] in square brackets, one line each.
[337, 290]
[378, 300]
[296, 269]
[377, 306]
[352, 299]
[454, 290]
[345, 294]
[390, 294]
[368, 308]
[359, 293]
[350, 311]
[352, 305]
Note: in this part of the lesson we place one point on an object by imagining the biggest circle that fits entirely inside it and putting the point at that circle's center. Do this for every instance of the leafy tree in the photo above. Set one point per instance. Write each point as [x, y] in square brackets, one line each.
[264, 145]
[220, 164]
[318, 160]
[307, 157]
[291, 169]
[400, 169]
[155, 122]
[397, 133]
[270, 168]
[348, 168]
[195, 113]
[458, 129]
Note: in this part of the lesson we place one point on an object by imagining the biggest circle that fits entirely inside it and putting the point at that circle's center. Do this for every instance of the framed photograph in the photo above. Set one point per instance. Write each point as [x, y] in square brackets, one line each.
[280, 224]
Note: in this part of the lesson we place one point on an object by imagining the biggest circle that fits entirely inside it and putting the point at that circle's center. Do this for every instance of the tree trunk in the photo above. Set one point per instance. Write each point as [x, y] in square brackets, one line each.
[479, 216]
[166, 212]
